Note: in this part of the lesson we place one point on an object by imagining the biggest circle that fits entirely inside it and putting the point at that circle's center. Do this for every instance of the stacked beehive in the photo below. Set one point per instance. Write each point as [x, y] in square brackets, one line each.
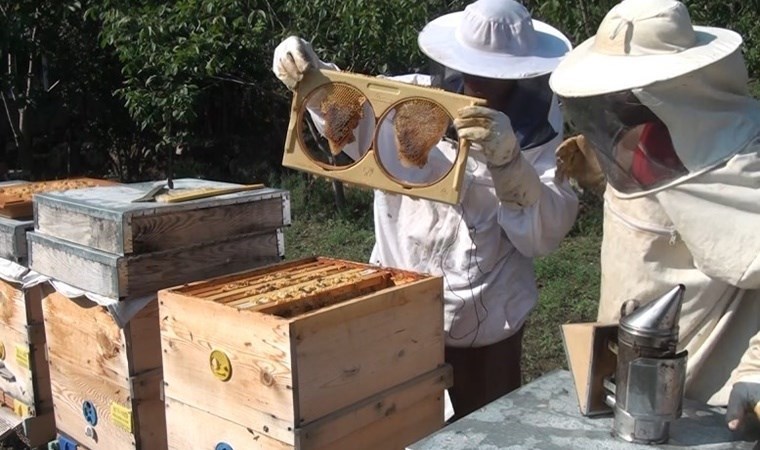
[310, 354]
[103, 339]
[25, 395]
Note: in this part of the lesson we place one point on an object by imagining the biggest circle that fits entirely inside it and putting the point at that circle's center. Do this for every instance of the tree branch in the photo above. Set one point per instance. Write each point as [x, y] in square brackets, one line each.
[10, 119]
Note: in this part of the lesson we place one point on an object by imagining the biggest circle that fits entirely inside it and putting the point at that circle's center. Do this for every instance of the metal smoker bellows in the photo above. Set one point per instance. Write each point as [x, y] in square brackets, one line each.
[649, 380]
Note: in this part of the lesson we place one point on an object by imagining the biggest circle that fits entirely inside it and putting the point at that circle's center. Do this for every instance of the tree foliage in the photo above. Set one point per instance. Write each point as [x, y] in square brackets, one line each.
[129, 83]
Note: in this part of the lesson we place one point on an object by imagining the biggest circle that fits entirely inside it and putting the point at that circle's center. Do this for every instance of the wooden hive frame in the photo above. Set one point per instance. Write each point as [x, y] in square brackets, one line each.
[383, 95]
[280, 348]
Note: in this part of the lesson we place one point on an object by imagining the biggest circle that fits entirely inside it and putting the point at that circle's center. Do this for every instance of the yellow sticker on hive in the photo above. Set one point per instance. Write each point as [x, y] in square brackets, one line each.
[121, 416]
[220, 365]
[22, 356]
[20, 409]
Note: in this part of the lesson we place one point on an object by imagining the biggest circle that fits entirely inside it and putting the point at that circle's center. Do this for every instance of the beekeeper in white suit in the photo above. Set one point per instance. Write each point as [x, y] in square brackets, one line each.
[664, 105]
[512, 208]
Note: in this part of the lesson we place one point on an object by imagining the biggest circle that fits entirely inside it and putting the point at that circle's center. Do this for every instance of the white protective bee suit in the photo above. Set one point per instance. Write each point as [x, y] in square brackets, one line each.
[696, 222]
[483, 249]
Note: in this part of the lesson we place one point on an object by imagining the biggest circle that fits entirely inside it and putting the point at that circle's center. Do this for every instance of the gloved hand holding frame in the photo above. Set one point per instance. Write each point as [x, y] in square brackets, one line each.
[377, 133]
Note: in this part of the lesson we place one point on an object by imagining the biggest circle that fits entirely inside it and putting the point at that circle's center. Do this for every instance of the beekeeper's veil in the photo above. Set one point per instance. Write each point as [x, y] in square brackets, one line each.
[661, 100]
[666, 105]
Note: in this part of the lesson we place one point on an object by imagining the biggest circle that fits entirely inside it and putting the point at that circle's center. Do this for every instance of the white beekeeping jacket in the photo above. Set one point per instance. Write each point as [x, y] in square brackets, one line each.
[702, 230]
[483, 250]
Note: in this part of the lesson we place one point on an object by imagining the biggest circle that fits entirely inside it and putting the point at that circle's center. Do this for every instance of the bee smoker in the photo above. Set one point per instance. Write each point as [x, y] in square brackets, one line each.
[647, 391]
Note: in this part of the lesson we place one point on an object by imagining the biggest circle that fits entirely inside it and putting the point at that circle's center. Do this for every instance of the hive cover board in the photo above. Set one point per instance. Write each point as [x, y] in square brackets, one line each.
[378, 133]
[109, 219]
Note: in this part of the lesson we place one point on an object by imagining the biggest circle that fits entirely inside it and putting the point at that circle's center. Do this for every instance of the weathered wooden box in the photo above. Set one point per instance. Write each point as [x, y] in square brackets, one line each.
[277, 349]
[106, 380]
[13, 246]
[390, 420]
[116, 276]
[102, 242]
[24, 374]
[107, 219]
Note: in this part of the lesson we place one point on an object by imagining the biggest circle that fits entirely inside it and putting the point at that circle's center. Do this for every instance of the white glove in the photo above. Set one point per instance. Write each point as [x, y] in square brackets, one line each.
[514, 179]
[292, 58]
[492, 130]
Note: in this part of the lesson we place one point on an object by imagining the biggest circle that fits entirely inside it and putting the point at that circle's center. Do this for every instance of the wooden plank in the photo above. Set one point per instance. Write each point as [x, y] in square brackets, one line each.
[192, 428]
[371, 414]
[395, 431]
[184, 228]
[388, 421]
[87, 269]
[84, 334]
[13, 306]
[107, 219]
[102, 233]
[358, 348]
[121, 276]
[259, 393]
[72, 386]
[25, 374]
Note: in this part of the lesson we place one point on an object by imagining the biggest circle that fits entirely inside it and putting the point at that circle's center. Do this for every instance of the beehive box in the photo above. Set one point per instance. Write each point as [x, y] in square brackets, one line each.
[102, 242]
[108, 220]
[16, 199]
[106, 380]
[13, 233]
[13, 246]
[278, 349]
[24, 375]
[390, 420]
[117, 276]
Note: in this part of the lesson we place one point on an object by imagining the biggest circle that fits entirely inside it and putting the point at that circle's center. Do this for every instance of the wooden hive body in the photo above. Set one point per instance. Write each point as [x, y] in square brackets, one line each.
[117, 370]
[107, 219]
[25, 378]
[102, 242]
[290, 350]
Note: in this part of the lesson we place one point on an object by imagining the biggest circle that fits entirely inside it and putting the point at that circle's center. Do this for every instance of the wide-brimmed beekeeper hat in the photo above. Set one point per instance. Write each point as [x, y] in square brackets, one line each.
[638, 43]
[494, 39]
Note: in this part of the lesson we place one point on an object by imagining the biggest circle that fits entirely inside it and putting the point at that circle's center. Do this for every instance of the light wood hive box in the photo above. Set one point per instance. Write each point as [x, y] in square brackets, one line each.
[24, 376]
[106, 373]
[316, 353]
[100, 241]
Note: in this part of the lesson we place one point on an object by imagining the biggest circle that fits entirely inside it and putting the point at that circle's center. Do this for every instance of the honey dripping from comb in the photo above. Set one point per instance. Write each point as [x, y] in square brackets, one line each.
[418, 126]
[343, 108]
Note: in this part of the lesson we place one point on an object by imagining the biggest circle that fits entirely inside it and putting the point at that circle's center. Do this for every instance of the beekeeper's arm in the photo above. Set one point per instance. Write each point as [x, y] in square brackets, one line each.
[536, 211]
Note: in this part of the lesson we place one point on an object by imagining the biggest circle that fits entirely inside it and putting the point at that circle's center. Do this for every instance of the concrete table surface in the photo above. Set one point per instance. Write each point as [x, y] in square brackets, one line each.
[544, 415]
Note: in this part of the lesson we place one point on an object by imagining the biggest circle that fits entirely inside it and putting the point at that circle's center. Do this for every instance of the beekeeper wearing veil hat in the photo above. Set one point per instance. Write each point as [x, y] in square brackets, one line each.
[664, 107]
[512, 209]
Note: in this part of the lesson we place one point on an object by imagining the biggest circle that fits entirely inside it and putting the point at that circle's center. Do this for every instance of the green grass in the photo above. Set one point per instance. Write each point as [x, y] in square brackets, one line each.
[568, 279]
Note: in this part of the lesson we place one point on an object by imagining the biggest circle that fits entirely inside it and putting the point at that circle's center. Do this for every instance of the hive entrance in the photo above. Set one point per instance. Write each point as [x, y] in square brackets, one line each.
[298, 289]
